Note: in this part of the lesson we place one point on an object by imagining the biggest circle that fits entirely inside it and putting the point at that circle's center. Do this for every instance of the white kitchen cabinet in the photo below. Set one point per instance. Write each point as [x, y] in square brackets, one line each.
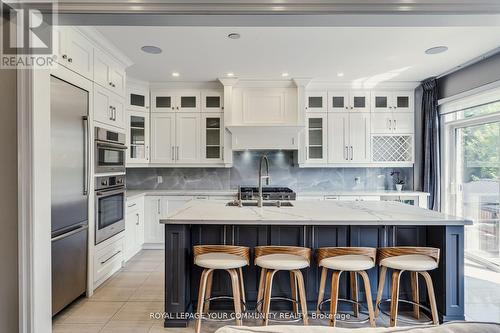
[108, 258]
[212, 101]
[162, 137]
[316, 138]
[352, 101]
[156, 208]
[393, 122]
[108, 107]
[137, 137]
[212, 138]
[188, 135]
[108, 73]
[175, 138]
[137, 97]
[348, 138]
[316, 101]
[134, 227]
[75, 51]
[176, 101]
[392, 101]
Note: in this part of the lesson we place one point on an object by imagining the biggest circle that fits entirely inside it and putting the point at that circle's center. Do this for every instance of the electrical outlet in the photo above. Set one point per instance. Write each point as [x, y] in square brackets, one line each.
[159, 179]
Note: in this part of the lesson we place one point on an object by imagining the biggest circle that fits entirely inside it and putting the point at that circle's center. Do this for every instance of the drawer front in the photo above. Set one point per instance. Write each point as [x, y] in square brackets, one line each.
[107, 261]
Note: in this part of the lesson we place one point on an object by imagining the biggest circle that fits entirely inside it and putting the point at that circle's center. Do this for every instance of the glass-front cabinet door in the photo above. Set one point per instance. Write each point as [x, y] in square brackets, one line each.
[359, 101]
[338, 101]
[212, 138]
[188, 101]
[137, 137]
[162, 101]
[316, 101]
[212, 101]
[403, 101]
[316, 138]
[381, 101]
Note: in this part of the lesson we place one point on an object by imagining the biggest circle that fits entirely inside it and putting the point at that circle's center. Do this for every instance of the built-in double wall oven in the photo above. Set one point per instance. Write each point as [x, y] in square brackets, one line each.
[110, 151]
[109, 206]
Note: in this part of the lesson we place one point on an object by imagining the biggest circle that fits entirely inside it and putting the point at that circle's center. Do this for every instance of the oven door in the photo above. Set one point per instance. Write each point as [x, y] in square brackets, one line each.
[109, 157]
[110, 214]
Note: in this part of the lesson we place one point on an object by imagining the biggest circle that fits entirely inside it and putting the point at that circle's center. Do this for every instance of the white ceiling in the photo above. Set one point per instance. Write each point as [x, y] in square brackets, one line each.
[363, 54]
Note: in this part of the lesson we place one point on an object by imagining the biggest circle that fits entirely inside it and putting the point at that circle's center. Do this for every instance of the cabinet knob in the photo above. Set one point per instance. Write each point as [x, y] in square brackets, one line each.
[70, 60]
[64, 56]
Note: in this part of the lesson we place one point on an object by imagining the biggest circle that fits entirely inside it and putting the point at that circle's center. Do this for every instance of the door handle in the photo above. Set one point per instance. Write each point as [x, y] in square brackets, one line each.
[86, 155]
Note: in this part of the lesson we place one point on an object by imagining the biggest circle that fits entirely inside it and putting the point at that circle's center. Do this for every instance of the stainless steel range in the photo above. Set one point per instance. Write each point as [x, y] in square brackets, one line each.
[268, 193]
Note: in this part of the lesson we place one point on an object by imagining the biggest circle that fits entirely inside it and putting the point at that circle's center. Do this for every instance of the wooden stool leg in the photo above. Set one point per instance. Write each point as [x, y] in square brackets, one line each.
[394, 296]
[201, 298]
[235, 283]
[268, 287]
[242, 287]
[302, 293]
[380, 289]
[334, 297]
[415, 295]
[368, 292]
[432, 297]
[293, 287]
[322, 284]
[354, 293]
[260, 294]
[208, 292]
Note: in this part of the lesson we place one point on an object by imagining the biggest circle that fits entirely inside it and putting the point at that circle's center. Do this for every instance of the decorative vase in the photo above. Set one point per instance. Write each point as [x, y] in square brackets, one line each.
[399, 187]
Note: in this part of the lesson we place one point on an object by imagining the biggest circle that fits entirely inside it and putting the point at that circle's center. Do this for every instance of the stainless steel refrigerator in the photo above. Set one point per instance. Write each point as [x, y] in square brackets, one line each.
[69, 151]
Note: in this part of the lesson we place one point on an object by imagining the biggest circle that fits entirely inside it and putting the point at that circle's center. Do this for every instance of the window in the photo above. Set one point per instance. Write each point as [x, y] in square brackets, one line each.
[472, 172]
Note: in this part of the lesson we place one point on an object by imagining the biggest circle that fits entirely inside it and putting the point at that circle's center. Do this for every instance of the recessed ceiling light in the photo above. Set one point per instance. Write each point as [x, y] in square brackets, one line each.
[436, 50]
[230, 74]
[234, 35]
[340, 74]
[285, 74]
[151, 49]
[175, 74]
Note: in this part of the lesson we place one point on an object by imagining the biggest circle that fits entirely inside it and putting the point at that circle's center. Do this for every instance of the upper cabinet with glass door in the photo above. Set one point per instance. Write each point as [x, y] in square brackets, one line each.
[316, 101]
[137, 137]
[354, 100]
[316, 138]
[212, 101]
[137, 96]
[174, 101]
[212, 138]
[392, 101]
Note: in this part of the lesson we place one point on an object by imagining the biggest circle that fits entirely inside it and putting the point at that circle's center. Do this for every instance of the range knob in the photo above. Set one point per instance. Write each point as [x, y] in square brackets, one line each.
[104, 182]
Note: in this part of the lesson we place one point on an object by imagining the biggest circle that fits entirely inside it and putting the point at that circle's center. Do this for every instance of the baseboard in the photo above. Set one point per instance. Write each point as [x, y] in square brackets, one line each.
[153, 246]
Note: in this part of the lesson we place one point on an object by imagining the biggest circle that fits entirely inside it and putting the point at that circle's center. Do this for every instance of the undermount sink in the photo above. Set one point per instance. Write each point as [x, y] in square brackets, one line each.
[265, 204]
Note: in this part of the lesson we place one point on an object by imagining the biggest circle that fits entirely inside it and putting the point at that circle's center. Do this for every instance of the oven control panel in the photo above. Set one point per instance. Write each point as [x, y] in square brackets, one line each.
[105, 182]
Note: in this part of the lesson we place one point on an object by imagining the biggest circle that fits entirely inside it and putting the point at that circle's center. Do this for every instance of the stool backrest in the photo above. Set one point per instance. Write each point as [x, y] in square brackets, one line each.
[304, 252]
[387, 252]
[328, 252]
[241, 251]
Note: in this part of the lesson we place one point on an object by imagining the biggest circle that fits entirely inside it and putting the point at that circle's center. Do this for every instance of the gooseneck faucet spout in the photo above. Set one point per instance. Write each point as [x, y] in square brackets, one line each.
[261, 177]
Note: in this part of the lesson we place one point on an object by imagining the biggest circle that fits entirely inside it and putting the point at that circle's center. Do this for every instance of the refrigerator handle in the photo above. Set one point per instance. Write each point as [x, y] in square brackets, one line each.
[86, 155]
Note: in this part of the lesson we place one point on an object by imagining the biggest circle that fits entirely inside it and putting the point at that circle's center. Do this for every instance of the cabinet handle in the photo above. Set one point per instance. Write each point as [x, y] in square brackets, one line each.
[110, 112]
[64, 56]
[346, 107]
[346, 153]
[177, 153]
[395, 124]
[222, 152]
[158, 206]
[132, 205]
[110, 83]
[114, 255]
[147, 152]
[70, 60]
[173, 153]
[177, 108]
[352, 153]
[137, 223]
[293, 141]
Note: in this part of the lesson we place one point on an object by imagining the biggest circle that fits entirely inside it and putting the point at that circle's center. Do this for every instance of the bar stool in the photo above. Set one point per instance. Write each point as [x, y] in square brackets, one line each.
[416, 260]
[224, 257]
[355, 260]
[272, 259]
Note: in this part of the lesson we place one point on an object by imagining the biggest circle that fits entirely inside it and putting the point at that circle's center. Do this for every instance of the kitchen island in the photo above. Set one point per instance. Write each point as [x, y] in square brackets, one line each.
[312, 224]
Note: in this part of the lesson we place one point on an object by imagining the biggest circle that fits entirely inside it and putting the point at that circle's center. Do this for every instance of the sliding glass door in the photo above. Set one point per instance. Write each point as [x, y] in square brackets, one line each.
[473, 189]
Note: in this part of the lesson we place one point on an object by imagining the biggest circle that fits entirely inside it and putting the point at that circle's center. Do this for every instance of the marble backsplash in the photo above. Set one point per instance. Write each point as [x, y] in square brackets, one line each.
[283, 169]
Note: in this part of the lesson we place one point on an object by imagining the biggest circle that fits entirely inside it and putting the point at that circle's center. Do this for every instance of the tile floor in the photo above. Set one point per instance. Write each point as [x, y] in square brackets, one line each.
[124, 303]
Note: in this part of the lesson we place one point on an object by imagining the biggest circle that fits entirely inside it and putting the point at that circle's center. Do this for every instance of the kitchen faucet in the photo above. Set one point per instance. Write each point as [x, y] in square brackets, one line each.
[266, 177]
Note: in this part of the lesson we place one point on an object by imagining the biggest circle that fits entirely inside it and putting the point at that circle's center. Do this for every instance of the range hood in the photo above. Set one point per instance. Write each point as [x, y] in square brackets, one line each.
[259, 137]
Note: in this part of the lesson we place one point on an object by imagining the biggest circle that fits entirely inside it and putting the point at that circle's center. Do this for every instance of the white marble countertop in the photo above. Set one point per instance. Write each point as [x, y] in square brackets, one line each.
[131, 194]
[311, 213]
